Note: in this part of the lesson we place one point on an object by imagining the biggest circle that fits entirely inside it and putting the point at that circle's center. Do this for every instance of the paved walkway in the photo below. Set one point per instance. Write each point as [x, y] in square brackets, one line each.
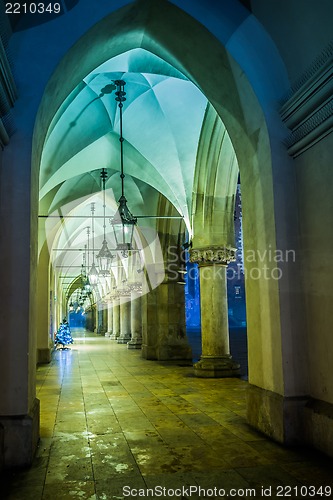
[115, 426]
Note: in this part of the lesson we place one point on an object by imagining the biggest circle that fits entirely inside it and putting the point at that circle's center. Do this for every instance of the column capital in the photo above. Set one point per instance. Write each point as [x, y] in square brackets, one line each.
[213, 255]
[135, 287]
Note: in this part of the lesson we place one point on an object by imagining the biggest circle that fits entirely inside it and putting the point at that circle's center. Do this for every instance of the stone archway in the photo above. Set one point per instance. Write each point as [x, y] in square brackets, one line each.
[202, 58]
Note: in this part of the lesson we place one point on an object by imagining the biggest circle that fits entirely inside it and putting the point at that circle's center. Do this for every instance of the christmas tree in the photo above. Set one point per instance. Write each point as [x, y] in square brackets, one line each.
[63, 335]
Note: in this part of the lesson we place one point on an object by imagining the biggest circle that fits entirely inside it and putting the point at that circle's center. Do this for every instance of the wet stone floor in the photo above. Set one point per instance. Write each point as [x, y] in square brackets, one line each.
[116, 426]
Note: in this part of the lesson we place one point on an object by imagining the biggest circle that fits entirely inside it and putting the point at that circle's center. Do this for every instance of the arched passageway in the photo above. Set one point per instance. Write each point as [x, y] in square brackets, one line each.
[222, 119]
[235, 105]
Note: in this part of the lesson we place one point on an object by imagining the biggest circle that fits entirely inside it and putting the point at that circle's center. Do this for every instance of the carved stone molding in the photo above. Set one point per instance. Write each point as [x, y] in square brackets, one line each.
[308, 108]
[213, 255]
[8, 95]
[124, 292]
[135, 287]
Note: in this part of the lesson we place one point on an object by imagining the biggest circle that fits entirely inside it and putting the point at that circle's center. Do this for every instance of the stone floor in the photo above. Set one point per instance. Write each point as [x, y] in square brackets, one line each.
[115, 426]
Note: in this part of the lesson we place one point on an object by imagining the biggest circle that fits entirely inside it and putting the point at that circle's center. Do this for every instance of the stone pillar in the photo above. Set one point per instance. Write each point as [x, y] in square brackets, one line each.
[94, 318]
[108, 332]
[101, 319]
[215, 360]
[44, 339]
[115, 319]
[19, 408]
[136, 320]
[163, 324]
[149, 325]
[172, 342]
[125, 320]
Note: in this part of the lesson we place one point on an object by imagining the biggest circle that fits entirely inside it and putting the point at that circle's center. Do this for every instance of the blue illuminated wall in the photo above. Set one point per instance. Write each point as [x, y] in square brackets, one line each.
[236, 300]
[192, 296]
[235, 282]
[235, 273]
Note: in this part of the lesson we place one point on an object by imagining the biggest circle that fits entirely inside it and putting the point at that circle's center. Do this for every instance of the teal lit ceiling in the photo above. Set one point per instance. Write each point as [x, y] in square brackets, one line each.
[163, 116]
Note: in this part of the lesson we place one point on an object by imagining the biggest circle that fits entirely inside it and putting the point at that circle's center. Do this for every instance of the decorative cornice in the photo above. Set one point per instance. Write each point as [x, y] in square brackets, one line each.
[213, 255]
[4, 138]
[8, 96]
[308, 108]
[8, 87]
[311, 72]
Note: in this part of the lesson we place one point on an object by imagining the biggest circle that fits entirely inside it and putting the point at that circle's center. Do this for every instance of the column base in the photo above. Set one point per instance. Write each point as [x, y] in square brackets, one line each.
[114, 336]
[123, 340]
[134, 344]
[19, 438]
[318, 425]
[43, 355]
[279, 417]
[216, 367]
[180, 351]
[148, 352]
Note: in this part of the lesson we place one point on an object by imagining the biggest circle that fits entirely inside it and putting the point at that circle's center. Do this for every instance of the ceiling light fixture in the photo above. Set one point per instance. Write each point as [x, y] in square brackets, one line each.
[104, 257]
[123, 221]
[93, 273]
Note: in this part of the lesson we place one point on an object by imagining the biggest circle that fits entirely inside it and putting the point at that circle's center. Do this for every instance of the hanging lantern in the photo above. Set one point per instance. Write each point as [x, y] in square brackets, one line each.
[93, 275]
[104, 256]
[123, 226]
[86, 286]
[104, 259]
[123, 221]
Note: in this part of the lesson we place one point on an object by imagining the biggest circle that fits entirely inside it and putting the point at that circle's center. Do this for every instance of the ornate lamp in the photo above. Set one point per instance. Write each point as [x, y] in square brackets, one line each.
[123, 221]
[104, 256]
[93, 273]
[84, 276]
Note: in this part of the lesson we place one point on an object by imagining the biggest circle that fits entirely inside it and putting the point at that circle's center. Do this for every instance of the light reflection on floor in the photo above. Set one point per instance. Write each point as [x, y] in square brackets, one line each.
[111, 419]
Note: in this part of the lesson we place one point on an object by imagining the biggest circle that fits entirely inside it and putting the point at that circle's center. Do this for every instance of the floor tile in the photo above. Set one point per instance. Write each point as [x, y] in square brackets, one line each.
[112, 423]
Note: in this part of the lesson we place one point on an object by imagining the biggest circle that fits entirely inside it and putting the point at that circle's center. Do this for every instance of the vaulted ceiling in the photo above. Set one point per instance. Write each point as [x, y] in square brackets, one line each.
[162, 118]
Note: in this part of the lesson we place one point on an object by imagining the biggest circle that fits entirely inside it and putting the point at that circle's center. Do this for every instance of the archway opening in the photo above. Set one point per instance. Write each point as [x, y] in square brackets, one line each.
[236, 105]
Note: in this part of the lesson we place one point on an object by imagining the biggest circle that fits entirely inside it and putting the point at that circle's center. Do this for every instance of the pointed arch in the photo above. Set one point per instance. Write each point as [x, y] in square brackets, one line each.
[215, 184]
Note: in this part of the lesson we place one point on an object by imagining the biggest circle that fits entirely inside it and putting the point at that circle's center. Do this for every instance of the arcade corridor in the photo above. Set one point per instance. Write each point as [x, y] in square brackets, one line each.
[111, 419]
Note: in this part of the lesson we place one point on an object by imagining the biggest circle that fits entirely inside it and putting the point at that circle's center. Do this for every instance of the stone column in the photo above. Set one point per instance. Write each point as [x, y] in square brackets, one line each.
[115, 319]
[100, 318]
[215, 360]
[149, 325]
[163, 324]
[108, 332]
[44, 338]
[136, 320]
[19, 407]
[125, 319]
